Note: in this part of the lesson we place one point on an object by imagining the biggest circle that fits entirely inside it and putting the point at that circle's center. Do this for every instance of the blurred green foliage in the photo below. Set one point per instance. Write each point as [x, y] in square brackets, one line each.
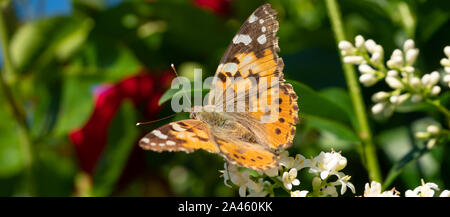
[59, 60]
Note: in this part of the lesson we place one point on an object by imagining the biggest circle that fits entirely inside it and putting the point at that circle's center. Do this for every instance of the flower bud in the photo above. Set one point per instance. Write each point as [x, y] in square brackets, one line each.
[435, 90]
[445, 62]
[355, 60]
[364, 68]
[341, 164]
[411, 56]
[447, 69]
[393, 82]
[433, 129]
[392, 73]
[368, 79]
[370, 45]
[378, 108]
[422, 135]
[447, 78]
[345, 45]
[380, 96]
[447, 51]
[376, 57]
[316, 183]
[409, 44]
[434, 78]
[359, 41]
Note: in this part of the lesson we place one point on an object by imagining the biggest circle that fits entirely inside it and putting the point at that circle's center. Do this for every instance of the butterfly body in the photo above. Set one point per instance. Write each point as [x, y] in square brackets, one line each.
[250, 137]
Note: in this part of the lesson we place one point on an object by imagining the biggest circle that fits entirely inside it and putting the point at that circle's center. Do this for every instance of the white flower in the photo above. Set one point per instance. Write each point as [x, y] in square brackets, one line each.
[271, 172]
[239, 178]
[425, 190]
[328, 191]
[328, 163]
[374, 190]
[299, 162]
[433, 129]
[290, 178]
[256, 189]
[343, 180]
[445, 193]
[299, 193]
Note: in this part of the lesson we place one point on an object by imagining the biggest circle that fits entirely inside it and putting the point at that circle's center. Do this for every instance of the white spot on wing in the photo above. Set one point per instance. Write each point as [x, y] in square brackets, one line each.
[262, 39]
[261, 21]
[241, 38]
[230, 67]
[145, 140]
[177, 127]
[153, 144]
[263, 29]
[162, 144]
[252, 18]
[170, 142]
[159, 134]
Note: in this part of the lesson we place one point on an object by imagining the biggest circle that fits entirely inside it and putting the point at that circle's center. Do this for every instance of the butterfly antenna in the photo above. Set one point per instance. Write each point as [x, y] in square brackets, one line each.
[154, 121]
[174, 70]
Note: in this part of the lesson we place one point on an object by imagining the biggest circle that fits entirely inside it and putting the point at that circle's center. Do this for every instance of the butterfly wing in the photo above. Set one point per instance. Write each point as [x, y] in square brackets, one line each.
[186, 135]
[251, 61]
[251, 54]
[246, 154]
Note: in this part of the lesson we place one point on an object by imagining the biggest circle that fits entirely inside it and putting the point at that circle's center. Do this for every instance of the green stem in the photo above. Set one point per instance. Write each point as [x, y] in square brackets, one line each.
[17, 110]
[445, 111]
[369, 151]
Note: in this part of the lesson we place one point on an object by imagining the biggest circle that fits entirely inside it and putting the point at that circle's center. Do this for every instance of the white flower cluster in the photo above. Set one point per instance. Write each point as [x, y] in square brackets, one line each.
[398, 72]
[325, 165]
[374, 190]
[425, 190]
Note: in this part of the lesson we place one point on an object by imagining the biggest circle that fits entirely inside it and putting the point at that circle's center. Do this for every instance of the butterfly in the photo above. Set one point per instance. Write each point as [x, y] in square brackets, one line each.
[246, 138]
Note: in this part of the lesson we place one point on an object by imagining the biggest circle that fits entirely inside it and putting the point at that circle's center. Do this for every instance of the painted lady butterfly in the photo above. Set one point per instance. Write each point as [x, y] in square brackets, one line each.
[240, 137]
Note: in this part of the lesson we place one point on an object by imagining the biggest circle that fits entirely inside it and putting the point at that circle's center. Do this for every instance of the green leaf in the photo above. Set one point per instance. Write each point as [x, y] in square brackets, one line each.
[11, 161]
[315, 104]
[340, 97]
[341, 131]
[77, 103]
[37, 43]
[121, 140]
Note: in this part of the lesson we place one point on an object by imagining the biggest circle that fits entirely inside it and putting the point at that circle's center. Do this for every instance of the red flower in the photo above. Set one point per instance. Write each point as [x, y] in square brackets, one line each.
[142, 89]
[220, 7]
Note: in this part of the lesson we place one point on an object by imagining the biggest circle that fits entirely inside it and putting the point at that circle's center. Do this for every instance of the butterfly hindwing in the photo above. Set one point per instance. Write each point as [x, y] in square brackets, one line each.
[246, 154]
[186, 135]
